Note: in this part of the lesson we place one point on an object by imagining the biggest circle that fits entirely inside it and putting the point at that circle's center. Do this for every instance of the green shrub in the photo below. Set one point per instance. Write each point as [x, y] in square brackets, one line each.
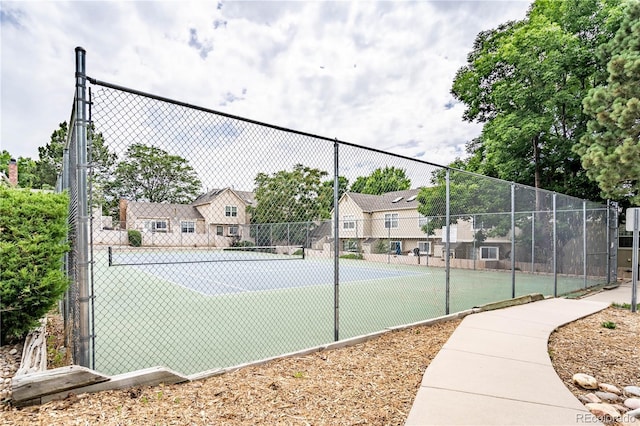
[357, 256]
[135, 237]
[33, 230]
[382, 246]
[242, 244]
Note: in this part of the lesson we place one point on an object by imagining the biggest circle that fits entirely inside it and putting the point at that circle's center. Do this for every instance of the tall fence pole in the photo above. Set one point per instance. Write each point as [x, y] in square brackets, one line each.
[336, 244]
[82, 277]
[513, 241]
[633, 225]
[609, 242]
[555, 248]
[584, 242]
[533, 241]
[447, 261]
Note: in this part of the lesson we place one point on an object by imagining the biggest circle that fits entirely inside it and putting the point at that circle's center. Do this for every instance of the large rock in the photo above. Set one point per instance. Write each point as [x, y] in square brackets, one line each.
[585, 381]
[608, 396]
[589, 398]
[606, 387]
[632, 403]
[632, 390]
[603, 411]
[634, 413]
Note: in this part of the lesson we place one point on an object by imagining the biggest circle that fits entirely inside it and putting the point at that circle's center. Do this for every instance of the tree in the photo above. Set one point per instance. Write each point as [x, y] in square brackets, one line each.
[382, 181]
[525, 80]
[469, 195]
[286, 203]
[289, 196]
[325, 198]
[44, 172]
[148, 173]
[101, 173]
[27, 169]
[610, 149]
[49, 164]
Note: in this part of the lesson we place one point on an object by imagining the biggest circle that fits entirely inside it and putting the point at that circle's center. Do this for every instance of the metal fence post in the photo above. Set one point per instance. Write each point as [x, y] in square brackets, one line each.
[555, 248]
[608, 229]
[82, 277]
[513, 241]
[584, 242]
[447, 260]
[533, 241]
[336, 242]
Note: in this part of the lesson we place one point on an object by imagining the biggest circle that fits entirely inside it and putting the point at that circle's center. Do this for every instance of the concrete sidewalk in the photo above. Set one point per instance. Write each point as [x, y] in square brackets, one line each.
[495, 369]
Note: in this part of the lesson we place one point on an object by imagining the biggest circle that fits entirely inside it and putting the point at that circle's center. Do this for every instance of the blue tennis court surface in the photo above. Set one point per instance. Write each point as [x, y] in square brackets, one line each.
[220, 278]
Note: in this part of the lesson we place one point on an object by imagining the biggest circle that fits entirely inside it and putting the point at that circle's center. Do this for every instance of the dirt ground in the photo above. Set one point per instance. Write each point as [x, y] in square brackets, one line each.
[374, 382]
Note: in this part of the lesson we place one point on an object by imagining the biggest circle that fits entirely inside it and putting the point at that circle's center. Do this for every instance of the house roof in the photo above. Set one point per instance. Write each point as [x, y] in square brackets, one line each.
[163, 210]
[246, 196]
[396, 200]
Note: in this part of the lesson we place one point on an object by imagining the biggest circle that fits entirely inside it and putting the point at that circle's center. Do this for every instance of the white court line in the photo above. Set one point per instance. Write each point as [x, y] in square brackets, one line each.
[200, 277]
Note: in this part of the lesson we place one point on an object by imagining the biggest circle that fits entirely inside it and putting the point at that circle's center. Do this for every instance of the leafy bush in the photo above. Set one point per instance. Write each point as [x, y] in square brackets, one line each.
[135, 237]
[382, 246]
[33, 230]
[242, 244]
[357, 256]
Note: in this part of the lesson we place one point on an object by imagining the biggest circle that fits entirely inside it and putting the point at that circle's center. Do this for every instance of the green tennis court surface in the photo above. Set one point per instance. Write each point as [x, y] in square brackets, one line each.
[196, 317]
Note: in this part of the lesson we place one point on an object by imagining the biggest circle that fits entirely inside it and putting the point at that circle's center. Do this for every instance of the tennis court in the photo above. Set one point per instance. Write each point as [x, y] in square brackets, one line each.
[220, 313]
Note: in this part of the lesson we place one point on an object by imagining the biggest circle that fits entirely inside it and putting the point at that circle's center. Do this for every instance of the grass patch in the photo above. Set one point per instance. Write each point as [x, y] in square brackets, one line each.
[625, 306]
[609, 324]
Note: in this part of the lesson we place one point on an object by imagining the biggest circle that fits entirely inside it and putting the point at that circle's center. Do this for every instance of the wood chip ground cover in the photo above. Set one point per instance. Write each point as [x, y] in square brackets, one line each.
[374, 382]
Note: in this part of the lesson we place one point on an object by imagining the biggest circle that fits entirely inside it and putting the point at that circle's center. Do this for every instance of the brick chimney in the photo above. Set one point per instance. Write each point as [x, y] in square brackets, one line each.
[13, 172]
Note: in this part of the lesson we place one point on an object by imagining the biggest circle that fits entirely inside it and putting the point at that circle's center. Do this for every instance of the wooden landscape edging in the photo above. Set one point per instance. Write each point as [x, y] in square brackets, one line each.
[59, 383]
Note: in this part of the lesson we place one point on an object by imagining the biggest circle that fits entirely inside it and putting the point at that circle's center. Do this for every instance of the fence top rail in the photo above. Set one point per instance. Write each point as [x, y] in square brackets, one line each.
[97, 82]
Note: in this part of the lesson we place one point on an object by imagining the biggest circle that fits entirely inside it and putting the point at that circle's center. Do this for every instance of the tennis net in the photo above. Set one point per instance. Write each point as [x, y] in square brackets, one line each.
[131, 256]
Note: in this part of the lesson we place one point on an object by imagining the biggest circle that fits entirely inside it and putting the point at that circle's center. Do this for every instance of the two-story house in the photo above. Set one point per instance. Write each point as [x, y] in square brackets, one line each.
[216, 218]
[391, 223]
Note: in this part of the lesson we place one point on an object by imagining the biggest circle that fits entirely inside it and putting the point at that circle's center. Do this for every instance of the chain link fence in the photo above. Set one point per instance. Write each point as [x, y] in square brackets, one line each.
[215, 240]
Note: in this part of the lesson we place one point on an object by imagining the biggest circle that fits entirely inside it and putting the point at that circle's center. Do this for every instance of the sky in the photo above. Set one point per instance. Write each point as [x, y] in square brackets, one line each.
[371, 73]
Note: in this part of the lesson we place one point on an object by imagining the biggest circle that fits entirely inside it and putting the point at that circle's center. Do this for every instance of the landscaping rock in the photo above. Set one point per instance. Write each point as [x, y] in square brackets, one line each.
[632, 390]
[632, 403]
[608, 396]
[603, 411]
[634, 413]
[590, 398]
[606, 387]
[585, 381]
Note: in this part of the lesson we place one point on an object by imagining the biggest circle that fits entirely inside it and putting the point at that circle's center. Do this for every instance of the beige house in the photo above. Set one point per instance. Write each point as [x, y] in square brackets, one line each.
[391, 223]
[216, 218]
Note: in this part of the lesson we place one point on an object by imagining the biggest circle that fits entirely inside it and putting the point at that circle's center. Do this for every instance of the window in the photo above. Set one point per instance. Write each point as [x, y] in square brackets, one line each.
[422, 220]
[397, 199]
[348, 222]
[219, 230]
[424, 247]
[395, 247]
[410, 199]
[350, 245]
[231, 211]
[233, 230]
[489, 253]
[188, 227]
[452, 254]
[391, 220]
[157, 226]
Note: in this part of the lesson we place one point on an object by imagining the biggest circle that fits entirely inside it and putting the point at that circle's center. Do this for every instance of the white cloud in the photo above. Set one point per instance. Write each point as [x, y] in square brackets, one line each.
[371, 73]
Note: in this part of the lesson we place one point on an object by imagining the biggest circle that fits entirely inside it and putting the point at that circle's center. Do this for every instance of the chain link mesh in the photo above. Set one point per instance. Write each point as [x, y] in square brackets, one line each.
[214, 238]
